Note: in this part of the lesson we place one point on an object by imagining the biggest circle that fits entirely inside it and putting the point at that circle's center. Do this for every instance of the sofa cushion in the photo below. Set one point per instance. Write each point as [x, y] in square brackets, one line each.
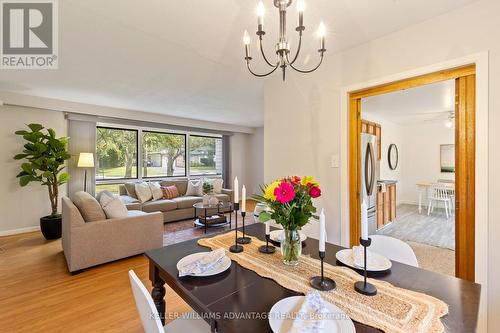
[181, 184]
[187, 201]
[159, 206]
[170, 192]
[112, 206]
[136, 213]
[195, 188]
[143, 192]
[156, 191]
[223, 197]
[130, 187]
[88, 206]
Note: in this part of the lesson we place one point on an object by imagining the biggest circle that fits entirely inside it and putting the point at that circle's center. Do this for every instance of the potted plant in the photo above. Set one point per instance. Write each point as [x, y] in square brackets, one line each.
[208, 197]
[289, 202]
[44, 156]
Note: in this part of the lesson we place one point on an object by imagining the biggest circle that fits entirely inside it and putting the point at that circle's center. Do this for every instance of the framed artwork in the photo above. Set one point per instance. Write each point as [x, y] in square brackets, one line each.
[447, 158]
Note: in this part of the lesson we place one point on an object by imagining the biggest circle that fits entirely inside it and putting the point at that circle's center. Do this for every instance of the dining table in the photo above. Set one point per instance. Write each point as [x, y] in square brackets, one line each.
[239, 300]
[423, 191]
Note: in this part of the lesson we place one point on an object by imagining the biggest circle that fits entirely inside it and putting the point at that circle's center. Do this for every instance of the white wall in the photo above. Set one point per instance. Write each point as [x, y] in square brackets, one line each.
[22, 207]
[302, 115]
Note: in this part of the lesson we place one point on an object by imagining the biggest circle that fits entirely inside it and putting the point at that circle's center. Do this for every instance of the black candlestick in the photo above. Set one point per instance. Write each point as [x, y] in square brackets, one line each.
[321, 282]
[236, 248]
[364, 287]
[244, 239]
[266, 248]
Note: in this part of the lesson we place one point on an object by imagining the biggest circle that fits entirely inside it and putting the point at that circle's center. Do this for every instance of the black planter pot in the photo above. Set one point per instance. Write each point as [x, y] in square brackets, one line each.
[51, 226]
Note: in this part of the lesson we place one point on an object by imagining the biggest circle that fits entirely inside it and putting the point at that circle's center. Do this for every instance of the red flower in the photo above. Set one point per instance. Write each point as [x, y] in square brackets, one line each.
[296, 178]
[284, 192]
[315, 192]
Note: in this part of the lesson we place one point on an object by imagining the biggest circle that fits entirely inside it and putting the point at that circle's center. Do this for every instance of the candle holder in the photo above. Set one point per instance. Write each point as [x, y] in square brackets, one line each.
[266, 248]
[321, 282]
[244, 239]
[364, 287]
[236, 248]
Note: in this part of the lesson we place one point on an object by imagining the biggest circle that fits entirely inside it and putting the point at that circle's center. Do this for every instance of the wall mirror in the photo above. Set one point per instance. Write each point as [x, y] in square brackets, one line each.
[393, 156]
[447, 158]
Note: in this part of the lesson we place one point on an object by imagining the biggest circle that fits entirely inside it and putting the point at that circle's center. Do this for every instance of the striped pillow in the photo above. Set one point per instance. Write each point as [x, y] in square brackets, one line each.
[170, 192]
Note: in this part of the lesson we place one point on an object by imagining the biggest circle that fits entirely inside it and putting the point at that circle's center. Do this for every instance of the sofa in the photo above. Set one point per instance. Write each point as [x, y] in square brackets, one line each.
[89, 243]
[176, 209]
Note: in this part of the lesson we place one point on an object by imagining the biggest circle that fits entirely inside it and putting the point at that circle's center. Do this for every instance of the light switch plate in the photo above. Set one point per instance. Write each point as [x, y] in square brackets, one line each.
[335, 161]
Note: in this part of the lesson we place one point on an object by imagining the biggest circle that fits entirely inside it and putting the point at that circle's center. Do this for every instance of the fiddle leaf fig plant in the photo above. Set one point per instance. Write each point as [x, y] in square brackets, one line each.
[44, 157]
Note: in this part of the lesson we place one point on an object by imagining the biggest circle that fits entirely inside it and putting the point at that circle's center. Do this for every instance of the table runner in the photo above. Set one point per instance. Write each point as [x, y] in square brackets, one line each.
[393, 309]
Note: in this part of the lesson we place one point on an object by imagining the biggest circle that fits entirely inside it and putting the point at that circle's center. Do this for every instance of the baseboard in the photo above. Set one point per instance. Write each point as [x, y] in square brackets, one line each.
[409, 202]
[19, 231]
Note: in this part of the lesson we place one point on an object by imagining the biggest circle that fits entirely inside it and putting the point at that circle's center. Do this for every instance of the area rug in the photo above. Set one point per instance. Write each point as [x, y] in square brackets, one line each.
[391, 310]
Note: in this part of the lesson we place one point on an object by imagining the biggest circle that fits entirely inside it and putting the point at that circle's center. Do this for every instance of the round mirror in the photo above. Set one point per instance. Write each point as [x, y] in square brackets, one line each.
[392, 156]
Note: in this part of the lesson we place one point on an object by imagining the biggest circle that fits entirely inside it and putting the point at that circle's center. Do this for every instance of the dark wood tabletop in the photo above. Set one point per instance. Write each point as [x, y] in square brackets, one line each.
[238, 299]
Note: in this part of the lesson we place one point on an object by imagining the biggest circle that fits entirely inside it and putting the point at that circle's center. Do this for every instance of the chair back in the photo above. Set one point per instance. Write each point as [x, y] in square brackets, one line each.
[393, 249]
[145, 306]
[439, 192]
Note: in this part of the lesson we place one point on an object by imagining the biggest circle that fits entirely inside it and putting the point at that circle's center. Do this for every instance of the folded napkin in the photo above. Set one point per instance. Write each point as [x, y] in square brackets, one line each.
[311, 316]
[205, 263]
[358, 254]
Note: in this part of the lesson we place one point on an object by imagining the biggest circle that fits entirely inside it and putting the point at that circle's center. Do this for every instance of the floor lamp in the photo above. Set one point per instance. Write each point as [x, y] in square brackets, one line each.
[85, 160]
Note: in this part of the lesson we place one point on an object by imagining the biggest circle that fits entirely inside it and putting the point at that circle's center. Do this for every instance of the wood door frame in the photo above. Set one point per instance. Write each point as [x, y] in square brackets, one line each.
[465, 157]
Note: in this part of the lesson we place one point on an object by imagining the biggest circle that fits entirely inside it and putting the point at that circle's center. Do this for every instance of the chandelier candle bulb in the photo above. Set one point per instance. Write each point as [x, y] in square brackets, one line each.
[322, 231]
[244, 199]
[300, 8]
[260, 15]
[246, 41]
[236, 190]
[322, 33]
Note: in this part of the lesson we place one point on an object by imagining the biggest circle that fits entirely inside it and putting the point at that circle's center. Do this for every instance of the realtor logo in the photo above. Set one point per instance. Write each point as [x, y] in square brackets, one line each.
[29, 34]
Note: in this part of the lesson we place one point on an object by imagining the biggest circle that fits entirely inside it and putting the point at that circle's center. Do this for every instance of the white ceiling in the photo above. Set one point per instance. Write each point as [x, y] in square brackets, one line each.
[429, 103]
[185, 57]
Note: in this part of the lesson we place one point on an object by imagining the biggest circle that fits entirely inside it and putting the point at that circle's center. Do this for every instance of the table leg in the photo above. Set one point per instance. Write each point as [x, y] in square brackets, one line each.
[205, 220]
[158, 292]
[420, 200]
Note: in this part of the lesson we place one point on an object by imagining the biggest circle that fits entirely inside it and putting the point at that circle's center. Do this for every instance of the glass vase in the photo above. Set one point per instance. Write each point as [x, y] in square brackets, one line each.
[291, 247]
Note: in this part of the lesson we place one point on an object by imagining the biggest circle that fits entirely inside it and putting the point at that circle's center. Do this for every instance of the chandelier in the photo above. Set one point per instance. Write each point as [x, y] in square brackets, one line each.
[283, 59]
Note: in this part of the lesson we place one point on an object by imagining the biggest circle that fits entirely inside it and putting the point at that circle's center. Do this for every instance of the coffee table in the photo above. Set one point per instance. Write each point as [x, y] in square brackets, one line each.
[219, 218]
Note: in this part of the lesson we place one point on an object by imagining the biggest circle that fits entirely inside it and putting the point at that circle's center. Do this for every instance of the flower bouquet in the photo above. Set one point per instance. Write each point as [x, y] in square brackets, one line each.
[289, 202]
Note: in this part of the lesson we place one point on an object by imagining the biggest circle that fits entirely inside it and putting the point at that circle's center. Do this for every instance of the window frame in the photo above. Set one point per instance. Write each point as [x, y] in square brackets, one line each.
[185, 154]
[189, 156]
[117, 180]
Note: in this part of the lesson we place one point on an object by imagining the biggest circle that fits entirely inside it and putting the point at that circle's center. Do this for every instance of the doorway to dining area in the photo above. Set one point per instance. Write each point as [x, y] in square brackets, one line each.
[422, 132]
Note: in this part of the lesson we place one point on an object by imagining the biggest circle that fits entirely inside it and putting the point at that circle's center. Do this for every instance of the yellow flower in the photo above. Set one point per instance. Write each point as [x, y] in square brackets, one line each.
[309, 179]
[269, 191]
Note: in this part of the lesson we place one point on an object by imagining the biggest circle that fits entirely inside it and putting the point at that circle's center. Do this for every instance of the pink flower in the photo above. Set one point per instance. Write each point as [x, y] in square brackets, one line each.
[315, 192]
[284, 192]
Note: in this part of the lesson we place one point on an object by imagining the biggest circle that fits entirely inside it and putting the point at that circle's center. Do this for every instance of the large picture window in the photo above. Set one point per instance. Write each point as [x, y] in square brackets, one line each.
[116, 152]
[205, 155]
[163, 154]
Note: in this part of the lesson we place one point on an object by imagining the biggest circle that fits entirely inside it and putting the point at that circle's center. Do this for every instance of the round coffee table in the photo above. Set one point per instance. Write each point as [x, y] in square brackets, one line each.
[212, 220]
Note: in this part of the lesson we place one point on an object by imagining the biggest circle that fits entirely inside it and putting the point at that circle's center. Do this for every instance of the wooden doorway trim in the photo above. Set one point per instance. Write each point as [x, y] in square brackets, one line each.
[465, 158]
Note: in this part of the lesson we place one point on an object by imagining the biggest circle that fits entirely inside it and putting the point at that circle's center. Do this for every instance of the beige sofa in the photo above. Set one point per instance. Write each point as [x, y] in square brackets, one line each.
[177, 209]
[87, 244]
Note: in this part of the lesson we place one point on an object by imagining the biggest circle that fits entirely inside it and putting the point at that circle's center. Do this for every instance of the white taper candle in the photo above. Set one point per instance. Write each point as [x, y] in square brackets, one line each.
[244, 199]
[364, 220]
[322, 231]
[236, 189]
[268, 227]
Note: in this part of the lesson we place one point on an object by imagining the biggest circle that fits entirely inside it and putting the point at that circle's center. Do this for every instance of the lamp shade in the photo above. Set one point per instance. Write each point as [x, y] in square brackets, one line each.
[86, 160]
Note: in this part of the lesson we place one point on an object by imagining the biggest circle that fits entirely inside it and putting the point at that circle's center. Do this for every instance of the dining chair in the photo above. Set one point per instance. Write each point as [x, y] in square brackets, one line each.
[440, 193]
[394, 249]
[150, 318]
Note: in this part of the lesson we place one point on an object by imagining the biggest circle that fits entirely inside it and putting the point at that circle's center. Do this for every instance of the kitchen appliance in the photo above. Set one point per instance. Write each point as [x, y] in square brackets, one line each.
[369, 177]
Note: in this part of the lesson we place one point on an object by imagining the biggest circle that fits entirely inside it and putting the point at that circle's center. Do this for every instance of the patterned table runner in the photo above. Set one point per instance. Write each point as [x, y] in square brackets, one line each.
[393, 309]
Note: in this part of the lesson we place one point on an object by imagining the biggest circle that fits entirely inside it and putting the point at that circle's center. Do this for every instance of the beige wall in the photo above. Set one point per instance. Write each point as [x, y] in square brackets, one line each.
[22, 207]
[302, 116]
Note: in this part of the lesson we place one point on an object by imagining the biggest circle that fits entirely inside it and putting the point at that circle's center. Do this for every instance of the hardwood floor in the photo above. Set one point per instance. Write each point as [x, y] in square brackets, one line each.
[38, 294]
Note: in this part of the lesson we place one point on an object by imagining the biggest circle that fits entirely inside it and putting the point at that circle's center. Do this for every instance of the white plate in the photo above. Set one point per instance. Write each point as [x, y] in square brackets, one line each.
[281, 321]
[221, 266]
[380, 263]
[275, 236]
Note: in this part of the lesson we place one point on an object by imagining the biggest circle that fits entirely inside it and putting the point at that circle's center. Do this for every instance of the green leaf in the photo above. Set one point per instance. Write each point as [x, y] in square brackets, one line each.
[20, 156]
[35, 127]
[48, 175]
[40, 147]
[27, 167]
[22, 132]
[52, 133]
[264, 217]
[63, 178]
[24, 180]
[22, 173]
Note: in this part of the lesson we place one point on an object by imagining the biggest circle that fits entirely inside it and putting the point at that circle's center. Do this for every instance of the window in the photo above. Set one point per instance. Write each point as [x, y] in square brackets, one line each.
[205, 155]
[163, 154]
[116, 151]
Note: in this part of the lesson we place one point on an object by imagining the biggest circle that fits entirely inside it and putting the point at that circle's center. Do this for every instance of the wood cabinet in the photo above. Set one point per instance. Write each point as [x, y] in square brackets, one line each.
[386, 205]
[374, 129]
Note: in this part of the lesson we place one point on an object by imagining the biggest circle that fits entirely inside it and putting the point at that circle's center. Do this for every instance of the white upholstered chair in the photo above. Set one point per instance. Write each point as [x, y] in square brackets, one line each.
[150, 318]
[440, 193]
[394, 249]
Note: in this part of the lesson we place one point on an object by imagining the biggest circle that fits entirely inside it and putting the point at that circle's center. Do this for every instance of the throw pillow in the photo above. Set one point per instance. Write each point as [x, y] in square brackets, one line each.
[88, 206]
[130, 187]
[98, 195]
[216, 183]
[143, 192]
[156, 191]
[195, 188]
[170, 192]
[113, 207]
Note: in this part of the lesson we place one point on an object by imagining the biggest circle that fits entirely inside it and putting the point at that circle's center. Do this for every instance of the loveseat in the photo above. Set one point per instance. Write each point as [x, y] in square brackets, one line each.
[176, 209]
